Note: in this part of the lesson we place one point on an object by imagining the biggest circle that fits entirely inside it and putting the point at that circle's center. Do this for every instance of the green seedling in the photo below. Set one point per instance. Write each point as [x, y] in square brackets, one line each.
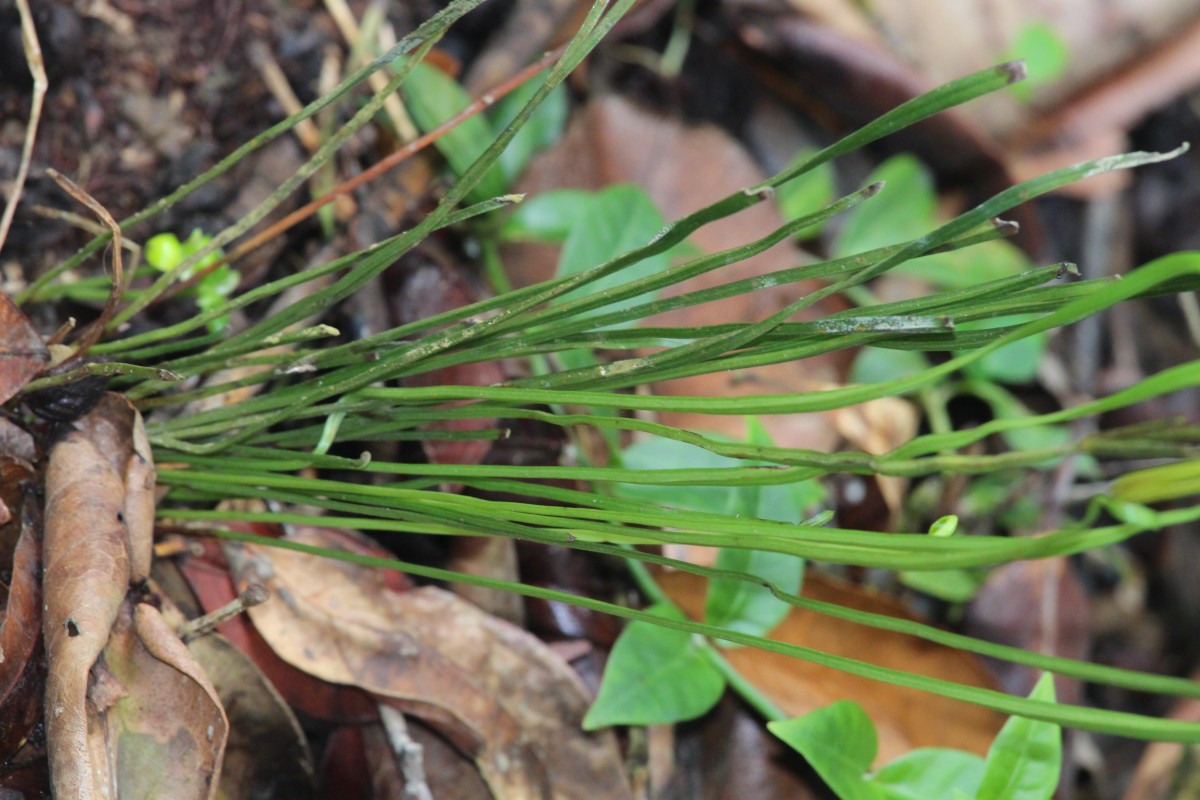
[840, 743]
[165, 252]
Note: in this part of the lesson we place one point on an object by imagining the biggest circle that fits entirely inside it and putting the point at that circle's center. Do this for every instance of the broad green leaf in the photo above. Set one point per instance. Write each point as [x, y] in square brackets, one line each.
[1016, 363]
[969, 266]
[1045, 55]
[620, 218]
[905, 209]
[782, 503]
[792, 502]
[657, 453]
[1005, 405]
[929, 773]
[164, 251]
[876, 365]
[749, 607]
[547, 217]
[839, 742]
[1025, 760]
[951, 585]
[655, 676]
[543, 128]
[434, 97]
[807, 192]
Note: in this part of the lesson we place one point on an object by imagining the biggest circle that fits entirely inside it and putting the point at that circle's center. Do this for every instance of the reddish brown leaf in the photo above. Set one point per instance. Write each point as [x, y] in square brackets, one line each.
[432, 288]
[1037, 605]
[22, 672]
[22, 352]
[209, 578]
[905, 718]
[498, 693]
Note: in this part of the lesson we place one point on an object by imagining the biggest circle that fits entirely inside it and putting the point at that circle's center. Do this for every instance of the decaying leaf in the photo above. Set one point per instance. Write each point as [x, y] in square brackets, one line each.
[22, 352]
[266, 755]
[494, 690]
[208, 577]
[905, 718]
[21, 667]
[128, 711]
[1038, 605]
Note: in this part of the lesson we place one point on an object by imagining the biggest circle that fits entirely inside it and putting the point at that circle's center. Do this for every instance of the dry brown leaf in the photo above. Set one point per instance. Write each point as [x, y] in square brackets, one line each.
[496, 691]
[878, 427]
[155, 721]
[948, 38]
[118, 716]
[1124, 60]
[905, 718]
[612, 141]
[22, 352]
[17, 442]
[267, 755]
[85, 581]
[1037, 605]
[208, 577]
[22, 671]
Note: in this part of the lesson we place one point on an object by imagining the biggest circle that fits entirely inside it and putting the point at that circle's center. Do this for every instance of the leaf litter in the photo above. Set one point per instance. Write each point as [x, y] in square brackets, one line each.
[107, 641]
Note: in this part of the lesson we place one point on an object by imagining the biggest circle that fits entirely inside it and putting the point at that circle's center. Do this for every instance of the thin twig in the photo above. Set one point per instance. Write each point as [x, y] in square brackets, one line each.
[94, 228]
[37, 68]
[93, 332]
[343, 17]
[195, 628]
[410, 754]
[277, 83]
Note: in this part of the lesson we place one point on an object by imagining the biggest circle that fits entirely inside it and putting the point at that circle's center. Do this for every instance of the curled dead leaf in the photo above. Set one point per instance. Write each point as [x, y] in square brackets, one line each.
[494, 690]
[119, 719]
[22, 671]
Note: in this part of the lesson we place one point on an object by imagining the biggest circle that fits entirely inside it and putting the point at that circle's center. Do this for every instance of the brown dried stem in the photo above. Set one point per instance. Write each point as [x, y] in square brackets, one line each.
[33, 57]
